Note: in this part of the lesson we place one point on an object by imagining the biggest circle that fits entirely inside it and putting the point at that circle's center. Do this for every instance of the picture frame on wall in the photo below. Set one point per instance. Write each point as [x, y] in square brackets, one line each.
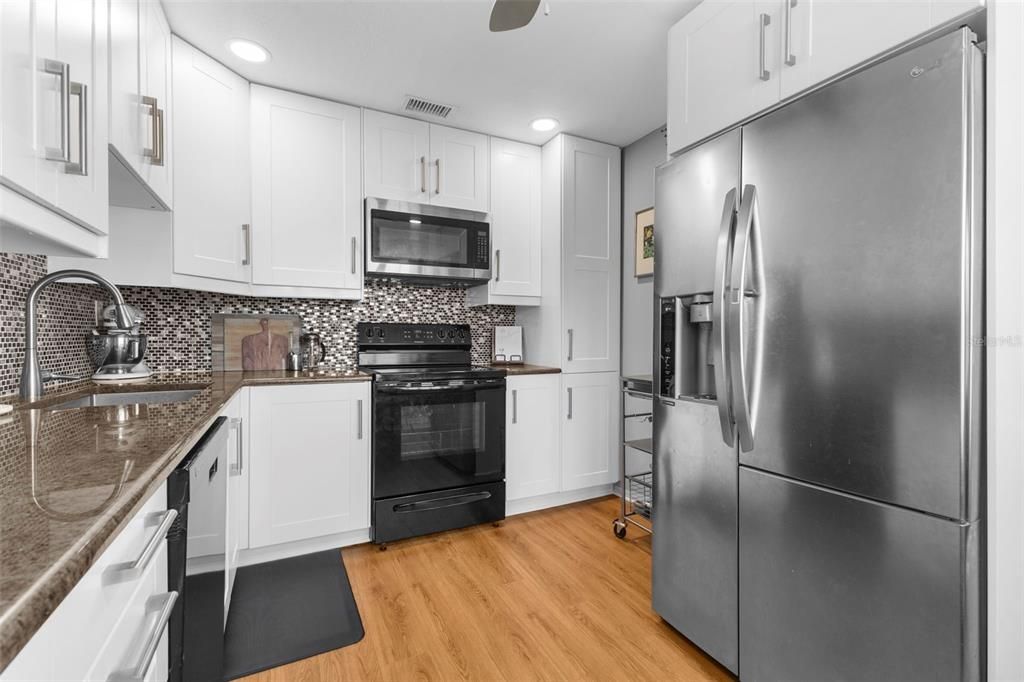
[644, 254]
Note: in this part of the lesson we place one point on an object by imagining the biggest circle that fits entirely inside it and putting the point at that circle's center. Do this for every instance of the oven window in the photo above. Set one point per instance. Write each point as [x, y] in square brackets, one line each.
[434, 440]
[441, 430]
[421, 244]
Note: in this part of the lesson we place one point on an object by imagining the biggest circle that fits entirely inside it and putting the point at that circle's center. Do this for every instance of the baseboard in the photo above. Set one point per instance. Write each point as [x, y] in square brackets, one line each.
[529, 504]
[260, 555]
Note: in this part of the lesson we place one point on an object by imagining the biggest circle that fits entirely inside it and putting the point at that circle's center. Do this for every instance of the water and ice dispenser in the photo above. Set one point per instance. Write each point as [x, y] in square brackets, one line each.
[686, 367]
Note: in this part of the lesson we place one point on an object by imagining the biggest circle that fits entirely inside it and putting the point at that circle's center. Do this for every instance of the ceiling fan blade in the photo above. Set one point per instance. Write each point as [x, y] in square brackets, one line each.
[507, 15]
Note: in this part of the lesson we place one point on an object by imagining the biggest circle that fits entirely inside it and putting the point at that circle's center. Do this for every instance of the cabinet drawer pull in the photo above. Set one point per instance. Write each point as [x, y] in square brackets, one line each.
[131, 569]
[765, 74]
[80, 167]
[137, 665]
[63, 72]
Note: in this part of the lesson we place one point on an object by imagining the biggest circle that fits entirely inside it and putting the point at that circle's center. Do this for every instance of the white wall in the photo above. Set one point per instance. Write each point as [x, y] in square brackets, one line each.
[1005, 330]
[638, 163]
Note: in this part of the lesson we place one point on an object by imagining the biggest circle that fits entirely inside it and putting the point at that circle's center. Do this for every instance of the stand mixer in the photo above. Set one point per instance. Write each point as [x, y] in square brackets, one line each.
[117, 352]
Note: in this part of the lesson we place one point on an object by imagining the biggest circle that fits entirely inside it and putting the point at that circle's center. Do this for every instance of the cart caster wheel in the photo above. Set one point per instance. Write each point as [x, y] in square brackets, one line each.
[619, 528]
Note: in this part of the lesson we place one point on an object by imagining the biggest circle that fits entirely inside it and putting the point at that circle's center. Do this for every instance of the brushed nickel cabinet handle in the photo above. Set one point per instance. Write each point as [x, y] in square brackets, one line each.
[138, 664]
[790, 57]
[354, 248]
[130, 569]
[423, 175]
[515, 406]
[359, 419]
[63, 72]
[764, 21]
[247, 233]
[152, 153]
[497, 265]
[569, 415]
[80, 167]
[569, 354]
[236, 468]
[438, 163]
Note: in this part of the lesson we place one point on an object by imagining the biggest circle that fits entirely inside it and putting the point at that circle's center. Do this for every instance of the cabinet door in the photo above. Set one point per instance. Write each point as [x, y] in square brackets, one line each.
[306, 207]
[591, 251]
[81, 43]
[715, 78]
[237, 516]
[18, 106]
[590, 429]
[211, 169]
[125, 105]
[460, 177]
[532, 462]
[396, 153]
[310, 465]
[155, 109]
[830, 36]
[515, 218]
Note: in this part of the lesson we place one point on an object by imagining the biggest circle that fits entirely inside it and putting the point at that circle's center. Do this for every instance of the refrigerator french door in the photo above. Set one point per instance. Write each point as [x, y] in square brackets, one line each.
[834, 341]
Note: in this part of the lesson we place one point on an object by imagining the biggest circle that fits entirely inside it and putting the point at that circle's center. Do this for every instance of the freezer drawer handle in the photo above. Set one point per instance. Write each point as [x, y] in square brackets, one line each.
[162, 605]
[441, 503]
[129, 570]
[718, 339]
[746, 372]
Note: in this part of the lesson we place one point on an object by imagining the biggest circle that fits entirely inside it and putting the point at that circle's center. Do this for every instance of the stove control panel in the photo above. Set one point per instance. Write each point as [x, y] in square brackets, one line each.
[398, 335]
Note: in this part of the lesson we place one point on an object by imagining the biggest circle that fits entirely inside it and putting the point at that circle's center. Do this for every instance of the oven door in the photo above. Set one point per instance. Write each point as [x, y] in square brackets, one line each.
[426, 242]
[429, 437]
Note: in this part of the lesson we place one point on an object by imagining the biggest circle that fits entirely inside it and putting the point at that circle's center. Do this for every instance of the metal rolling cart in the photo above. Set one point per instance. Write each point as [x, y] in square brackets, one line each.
[637, 485]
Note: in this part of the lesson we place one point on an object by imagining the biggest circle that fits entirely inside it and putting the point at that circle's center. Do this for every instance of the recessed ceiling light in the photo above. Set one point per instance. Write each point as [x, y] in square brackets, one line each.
[542, 125]
[248, 50]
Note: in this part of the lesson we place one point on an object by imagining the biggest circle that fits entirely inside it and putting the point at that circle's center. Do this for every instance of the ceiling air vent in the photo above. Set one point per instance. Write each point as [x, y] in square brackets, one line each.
[418, 105]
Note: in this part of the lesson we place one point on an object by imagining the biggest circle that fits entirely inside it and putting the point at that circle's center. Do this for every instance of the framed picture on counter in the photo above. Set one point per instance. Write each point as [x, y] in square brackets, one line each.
[253, 342]
[644, 255]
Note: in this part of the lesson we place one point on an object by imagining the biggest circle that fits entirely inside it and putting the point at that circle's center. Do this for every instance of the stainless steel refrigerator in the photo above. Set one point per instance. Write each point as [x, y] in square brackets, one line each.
[818, 431]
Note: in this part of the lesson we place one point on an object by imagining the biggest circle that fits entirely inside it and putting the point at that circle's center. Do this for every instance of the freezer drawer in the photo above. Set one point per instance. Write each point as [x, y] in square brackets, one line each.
[834, 587]
[694, 546]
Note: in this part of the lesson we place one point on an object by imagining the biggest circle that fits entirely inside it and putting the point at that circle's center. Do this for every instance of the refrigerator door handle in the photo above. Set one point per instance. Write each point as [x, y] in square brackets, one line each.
[718, 308]
[745, 371]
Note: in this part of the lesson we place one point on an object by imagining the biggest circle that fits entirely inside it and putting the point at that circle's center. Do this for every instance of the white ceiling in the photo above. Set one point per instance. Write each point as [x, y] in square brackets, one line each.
[597, 66]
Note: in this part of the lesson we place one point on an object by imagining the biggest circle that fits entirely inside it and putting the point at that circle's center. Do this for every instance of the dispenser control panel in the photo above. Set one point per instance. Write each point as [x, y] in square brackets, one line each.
[666, 360]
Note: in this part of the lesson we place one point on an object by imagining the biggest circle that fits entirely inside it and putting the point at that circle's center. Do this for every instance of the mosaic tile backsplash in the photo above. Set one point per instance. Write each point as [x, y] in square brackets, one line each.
[178, 320]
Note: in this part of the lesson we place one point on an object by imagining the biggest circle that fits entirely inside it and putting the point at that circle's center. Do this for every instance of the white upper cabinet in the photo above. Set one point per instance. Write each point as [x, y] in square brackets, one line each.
[460, 168]
[722, 66]
[53, 117]
[140, 107]
[396, 153]
[306, 204]
[211, 171]
[591, 254]
[729, 60]
[410, 160]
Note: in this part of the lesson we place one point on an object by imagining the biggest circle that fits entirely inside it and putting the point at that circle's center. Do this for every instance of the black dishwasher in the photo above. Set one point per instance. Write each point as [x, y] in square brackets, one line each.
[197, 488]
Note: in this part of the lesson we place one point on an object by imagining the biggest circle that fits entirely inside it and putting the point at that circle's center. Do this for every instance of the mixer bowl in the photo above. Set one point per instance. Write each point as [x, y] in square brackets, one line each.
[115, 349]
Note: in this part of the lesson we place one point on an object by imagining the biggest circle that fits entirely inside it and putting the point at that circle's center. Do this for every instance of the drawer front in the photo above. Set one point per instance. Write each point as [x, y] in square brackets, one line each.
[138, 640]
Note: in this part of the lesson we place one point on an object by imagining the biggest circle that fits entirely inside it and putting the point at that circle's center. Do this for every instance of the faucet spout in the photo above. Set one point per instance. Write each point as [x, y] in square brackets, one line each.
[31, 376]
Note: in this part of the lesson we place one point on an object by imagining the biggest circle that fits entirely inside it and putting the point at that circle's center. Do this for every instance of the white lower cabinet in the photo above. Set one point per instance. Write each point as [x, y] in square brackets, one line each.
[104, 623]
[310, 466]
[532, 462]
[590, 429]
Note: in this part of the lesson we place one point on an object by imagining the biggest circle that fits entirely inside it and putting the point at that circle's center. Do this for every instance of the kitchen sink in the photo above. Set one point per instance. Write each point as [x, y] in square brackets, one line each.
[128, 398]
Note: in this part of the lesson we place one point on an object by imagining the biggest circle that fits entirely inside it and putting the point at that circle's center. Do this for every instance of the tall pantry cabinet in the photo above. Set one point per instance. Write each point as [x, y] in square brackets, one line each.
[576, 327]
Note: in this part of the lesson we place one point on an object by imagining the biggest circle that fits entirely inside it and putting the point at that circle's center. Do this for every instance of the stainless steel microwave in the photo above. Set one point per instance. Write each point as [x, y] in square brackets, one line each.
[427, 244]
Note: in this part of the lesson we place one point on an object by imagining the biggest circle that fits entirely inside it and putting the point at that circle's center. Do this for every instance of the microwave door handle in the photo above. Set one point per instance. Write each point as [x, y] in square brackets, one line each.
[719, 336]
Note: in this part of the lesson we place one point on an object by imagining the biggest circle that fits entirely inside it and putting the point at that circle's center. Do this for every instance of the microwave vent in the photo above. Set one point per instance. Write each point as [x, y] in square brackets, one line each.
[418, 105]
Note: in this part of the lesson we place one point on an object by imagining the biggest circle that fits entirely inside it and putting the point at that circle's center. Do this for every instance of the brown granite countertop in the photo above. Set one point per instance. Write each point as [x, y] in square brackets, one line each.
[70, 479]
[518, 370]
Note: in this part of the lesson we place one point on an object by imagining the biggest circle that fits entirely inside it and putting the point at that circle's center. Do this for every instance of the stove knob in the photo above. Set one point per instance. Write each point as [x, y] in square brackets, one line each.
[380, 332]
[451, 333]
[369, 332]
[462, 333]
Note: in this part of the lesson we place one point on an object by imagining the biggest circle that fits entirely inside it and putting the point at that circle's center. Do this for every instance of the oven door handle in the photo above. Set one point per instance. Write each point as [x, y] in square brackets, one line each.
[435, 388]
[441, 502]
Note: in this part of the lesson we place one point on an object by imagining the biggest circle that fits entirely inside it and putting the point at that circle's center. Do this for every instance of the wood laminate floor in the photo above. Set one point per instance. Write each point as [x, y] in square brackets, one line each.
[551, 595]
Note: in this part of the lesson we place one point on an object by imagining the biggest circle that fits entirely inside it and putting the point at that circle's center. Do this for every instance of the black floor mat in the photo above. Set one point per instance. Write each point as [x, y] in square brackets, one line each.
[290, 609]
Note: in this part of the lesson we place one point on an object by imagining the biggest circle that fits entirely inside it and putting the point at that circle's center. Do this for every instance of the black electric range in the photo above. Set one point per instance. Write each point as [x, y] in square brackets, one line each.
[438, 458]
